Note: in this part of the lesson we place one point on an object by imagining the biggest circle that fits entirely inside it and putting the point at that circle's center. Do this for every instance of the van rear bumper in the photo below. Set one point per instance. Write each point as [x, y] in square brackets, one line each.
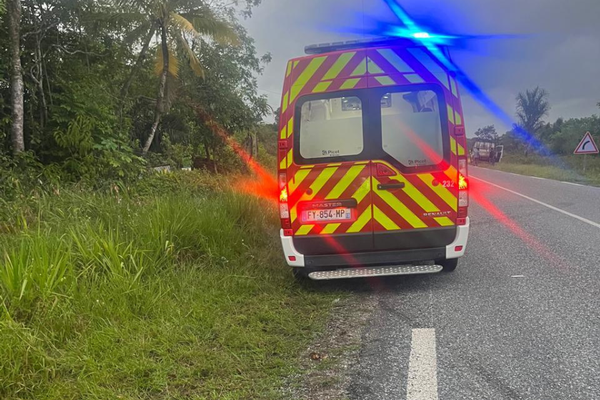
[376, 258]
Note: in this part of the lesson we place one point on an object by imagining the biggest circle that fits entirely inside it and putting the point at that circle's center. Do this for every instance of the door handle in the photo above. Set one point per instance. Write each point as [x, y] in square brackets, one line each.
[391, 186]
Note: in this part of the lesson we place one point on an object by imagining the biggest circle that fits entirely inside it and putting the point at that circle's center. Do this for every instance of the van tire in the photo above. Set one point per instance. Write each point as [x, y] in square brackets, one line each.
[448, 265]
[300, 274]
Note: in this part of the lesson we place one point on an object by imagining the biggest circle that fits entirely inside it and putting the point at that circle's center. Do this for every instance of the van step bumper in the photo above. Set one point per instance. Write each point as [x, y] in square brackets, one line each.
[368, 272]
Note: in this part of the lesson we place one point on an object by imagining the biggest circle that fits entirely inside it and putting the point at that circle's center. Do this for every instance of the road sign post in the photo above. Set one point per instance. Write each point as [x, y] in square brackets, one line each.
[585, 147]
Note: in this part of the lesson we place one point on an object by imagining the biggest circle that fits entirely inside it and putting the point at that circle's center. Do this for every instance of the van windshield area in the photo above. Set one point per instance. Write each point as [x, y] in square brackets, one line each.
[402, 126]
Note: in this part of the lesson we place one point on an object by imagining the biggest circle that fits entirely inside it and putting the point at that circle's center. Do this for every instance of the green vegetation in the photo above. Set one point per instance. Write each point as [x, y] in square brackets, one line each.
[172, 288]
[117, 282]
[100, 101]
[548, 151]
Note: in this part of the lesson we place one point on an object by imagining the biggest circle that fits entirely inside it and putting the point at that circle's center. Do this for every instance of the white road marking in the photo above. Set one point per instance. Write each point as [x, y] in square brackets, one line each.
[422, 366]
[573, 183]
[517, 276]
[587, 221]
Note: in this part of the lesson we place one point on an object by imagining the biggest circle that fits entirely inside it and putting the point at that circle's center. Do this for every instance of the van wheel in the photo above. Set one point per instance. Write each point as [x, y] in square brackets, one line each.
[448, 265]
[300, 274]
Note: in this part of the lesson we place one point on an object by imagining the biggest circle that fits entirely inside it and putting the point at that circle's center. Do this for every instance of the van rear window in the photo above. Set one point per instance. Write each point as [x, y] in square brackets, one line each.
[331, 127]
[411, 127]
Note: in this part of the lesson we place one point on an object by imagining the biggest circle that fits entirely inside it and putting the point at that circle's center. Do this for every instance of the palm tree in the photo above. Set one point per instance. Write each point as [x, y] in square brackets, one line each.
[532, 106]
[182, 26]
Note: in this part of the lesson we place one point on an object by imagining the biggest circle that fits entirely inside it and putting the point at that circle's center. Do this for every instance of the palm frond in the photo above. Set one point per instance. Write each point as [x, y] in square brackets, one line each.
[173, 63]
[209, 25]
[195, 64]
[183, 25]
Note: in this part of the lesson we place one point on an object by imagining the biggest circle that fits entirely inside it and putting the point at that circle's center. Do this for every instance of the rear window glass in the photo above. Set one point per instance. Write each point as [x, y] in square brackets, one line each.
[331, 127]
[411, 128]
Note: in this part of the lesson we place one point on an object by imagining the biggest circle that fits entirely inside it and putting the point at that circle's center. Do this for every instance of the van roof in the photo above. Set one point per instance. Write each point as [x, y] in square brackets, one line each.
[358, 64]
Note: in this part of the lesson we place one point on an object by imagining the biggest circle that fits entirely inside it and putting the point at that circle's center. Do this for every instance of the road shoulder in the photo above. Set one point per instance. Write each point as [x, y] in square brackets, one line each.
[329, 360]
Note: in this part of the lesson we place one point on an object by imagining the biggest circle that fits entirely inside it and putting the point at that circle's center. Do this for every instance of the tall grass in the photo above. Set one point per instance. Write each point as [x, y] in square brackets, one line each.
[177, 294]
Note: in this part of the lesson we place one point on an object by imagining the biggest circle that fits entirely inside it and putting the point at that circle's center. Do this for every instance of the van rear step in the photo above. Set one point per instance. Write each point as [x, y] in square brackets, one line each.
[367, 272]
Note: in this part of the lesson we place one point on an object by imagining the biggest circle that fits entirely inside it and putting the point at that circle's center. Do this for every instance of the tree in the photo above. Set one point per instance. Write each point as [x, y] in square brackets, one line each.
[487, 132]
[182, 26]
[16, 76]
[532, 106]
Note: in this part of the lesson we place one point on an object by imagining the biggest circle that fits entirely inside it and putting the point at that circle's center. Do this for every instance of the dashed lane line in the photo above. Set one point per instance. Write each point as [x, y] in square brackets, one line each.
[422, 366]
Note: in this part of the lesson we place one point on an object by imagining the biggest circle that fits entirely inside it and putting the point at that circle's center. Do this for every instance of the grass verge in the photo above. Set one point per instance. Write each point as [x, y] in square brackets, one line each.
[568, 169]
[175, 293]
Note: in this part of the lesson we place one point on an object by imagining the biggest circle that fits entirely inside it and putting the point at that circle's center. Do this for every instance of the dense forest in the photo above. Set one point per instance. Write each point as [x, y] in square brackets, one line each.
[111, 87]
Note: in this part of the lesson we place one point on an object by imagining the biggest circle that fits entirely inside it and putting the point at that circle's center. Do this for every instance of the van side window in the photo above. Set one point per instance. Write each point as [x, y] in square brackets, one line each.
[331, 128]
[411, 128]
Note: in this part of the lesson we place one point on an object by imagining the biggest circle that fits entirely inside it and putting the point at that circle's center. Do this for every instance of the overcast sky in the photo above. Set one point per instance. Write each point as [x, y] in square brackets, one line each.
[559, 49]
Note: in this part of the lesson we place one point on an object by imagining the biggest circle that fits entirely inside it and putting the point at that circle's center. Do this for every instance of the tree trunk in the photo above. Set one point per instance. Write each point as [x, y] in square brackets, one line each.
[16, 78]
[160, 99]
[135, 69]
[254, 145]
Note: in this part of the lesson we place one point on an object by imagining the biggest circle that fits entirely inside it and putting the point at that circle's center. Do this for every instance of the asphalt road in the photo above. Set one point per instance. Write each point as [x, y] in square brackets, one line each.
[518, 319]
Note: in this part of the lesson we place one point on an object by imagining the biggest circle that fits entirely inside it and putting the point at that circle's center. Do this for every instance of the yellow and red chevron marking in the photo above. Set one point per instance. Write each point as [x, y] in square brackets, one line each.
[331, 182]
[424, 202]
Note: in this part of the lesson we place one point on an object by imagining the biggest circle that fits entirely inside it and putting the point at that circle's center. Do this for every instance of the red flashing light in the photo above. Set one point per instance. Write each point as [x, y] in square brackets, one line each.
[292, 258]
[288, 232]
[458, 248]
[461, 221]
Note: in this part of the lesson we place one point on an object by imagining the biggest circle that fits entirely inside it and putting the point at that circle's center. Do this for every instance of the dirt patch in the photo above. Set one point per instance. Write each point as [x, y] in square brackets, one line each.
[328, 361]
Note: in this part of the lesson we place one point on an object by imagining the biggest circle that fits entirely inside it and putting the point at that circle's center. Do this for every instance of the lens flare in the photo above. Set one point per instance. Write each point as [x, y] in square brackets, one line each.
[262, 184]
[478, 194]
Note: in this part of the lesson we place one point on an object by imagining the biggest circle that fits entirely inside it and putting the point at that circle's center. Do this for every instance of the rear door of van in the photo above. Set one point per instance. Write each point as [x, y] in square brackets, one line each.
[415, 193]
[330, 194]
[414, 179]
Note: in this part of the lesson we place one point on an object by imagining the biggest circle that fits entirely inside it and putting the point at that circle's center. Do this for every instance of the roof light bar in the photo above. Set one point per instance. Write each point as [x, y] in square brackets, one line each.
[353, 44]
[373, 42]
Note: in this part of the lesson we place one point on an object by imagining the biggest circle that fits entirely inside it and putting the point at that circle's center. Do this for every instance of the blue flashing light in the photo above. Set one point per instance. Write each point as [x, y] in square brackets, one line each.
[434, 44]
[421, 35]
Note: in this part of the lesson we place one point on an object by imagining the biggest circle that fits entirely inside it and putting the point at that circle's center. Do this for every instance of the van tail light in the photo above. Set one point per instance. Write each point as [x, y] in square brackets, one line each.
[282, 180]
[463, 192]
[284, 209]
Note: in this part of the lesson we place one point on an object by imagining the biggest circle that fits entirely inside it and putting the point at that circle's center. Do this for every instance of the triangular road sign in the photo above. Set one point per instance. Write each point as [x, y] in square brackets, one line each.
[587, 145]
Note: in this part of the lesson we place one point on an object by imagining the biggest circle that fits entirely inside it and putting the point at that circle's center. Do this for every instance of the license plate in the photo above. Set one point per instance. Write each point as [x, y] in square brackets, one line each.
[330, 214]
